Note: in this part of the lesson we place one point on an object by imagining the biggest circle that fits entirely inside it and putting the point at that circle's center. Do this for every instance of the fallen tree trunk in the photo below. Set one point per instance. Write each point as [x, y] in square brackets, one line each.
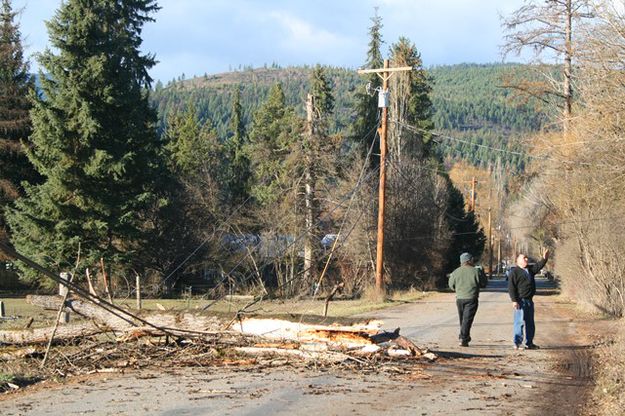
[192, 322]
[352, 336]
[42, 335]
[306, 341]
[81, 307]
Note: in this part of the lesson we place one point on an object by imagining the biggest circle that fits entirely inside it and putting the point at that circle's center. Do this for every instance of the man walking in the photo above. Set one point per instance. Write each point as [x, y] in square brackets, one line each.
[466, 282]
[522, 288]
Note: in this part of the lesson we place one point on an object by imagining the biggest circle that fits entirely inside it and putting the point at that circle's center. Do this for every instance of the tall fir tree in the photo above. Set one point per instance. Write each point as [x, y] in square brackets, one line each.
[196, 163]
[321, 91]
[239, 163]
[410, 107]
[367, 113]
[15, 86]
[467, 234]
[273, 132]
[94, 142]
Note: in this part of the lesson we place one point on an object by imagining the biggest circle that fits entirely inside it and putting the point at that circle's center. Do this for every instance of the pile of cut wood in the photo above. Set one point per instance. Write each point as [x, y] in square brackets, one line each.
[250, 336]
[333, 343]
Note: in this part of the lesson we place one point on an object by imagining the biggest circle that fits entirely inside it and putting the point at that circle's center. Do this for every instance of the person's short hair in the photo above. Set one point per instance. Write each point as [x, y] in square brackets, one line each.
[465, 258]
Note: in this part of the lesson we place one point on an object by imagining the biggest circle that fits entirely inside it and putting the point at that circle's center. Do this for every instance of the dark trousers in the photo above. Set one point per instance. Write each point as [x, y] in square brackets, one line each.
[467, 308]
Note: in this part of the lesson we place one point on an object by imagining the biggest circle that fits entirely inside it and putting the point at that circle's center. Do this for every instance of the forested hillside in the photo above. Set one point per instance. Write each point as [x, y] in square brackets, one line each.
[469, 102]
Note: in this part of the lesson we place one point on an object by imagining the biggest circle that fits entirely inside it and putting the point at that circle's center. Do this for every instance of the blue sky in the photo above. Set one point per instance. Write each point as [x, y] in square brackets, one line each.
[211, 36]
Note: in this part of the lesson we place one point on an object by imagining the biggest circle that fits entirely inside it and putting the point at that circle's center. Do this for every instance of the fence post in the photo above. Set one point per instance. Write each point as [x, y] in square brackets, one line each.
[138, 285]
[63, 290]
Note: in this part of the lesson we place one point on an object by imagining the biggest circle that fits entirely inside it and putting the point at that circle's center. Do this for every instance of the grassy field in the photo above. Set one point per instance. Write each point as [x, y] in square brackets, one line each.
[19, 312]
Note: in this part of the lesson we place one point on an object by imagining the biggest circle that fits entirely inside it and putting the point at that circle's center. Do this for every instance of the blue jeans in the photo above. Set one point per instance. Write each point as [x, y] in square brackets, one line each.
[524, 317]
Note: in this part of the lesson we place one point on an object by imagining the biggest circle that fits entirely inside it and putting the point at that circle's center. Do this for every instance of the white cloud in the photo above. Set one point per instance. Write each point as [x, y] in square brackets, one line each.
[223, 33]
[302, 35]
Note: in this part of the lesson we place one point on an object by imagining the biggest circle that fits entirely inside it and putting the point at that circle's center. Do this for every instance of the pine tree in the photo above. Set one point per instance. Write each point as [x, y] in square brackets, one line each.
[197, 169]
[410, 107]
[466, 231]
[367, 117]
[273, 132]
[94, 141]
[239, 164]
[15, 125]
[321, 90]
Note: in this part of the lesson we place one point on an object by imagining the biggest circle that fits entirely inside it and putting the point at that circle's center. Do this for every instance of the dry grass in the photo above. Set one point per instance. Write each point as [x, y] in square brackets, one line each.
[610, 368]
[18, 313]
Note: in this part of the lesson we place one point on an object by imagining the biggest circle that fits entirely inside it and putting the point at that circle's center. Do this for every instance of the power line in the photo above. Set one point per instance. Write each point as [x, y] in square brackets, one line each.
[447, 137]
[570, 222]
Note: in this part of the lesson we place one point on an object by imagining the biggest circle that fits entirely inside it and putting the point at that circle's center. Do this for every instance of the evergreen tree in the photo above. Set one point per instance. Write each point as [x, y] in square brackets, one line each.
[94, 142]
[274, 139]
[321, 91]
[367, 113]
[15, 125]
[195, 160]
[274, 130]
[410, 106]
[239, 164]
[467, 235]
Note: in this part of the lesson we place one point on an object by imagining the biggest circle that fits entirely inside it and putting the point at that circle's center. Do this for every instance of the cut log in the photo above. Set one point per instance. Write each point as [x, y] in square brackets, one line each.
[42, 335]
[398, 352]
[345, 336]
[178, 321]
[81, 307]
[46, 302]
[407, 344]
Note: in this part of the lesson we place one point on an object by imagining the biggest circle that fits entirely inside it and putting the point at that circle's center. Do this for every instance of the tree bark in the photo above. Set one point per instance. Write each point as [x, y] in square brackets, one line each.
[171, 320]
[42, 335]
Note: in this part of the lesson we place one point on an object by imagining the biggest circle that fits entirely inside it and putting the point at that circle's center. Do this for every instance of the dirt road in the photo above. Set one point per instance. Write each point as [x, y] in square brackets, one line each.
[487, 378]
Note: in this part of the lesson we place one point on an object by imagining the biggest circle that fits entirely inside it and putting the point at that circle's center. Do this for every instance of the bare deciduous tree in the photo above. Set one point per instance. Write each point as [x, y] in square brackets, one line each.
[546, 27]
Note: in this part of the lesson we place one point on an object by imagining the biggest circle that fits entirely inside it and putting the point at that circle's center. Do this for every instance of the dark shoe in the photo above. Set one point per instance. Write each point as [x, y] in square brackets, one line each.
[464, 343]
[532, 347]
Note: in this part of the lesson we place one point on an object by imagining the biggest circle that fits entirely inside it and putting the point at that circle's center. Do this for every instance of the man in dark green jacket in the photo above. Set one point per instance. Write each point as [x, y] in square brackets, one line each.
[466, 281]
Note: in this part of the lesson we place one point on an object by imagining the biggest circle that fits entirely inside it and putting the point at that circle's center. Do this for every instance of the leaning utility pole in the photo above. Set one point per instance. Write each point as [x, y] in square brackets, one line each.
[385, 73]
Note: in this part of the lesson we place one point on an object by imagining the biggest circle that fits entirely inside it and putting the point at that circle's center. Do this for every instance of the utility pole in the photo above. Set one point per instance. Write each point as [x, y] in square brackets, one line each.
[491, 244]
[385, 73]
[309, 256]
[473, 185]
[499, 252]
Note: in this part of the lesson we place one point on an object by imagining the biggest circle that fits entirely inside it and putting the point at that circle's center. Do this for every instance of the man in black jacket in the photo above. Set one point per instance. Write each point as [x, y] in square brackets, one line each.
[522, 288]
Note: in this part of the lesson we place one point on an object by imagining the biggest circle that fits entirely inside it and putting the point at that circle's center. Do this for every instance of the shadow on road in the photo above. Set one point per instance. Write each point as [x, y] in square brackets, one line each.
[456, 355]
